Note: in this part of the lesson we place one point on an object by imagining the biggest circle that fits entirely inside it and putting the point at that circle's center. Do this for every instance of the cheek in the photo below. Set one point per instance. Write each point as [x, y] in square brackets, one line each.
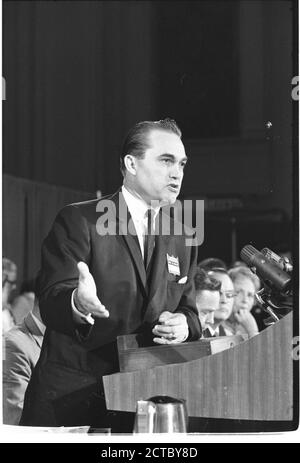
[250, 302]
[201, 317]
[238, 299]
[229, 304]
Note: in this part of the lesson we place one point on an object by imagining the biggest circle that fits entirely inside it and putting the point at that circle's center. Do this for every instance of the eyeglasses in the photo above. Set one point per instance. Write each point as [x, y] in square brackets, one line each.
[227, 294]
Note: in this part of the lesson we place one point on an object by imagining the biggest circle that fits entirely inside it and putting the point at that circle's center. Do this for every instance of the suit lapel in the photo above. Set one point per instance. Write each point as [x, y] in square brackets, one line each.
[131, 240]
[33, 329]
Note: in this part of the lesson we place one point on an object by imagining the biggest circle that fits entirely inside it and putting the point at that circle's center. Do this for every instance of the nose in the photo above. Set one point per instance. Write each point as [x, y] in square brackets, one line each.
[245, 298]
[223, 298]
[176, 171]
[210, 318]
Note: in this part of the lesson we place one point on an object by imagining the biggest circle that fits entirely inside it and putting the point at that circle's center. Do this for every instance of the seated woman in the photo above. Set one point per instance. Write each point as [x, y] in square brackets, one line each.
[246, 284]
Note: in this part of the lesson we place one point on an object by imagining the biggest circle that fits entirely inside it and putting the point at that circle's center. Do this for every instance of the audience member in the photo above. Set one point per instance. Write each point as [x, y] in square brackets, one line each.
[9, 278]
[212, 263]
[24, 302]
[22, 346]
[207, 299]
[246, 284]
[226, 302]
[239, 263]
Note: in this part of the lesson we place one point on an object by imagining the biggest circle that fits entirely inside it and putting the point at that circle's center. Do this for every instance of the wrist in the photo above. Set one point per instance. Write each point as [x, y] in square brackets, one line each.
[78, 304]
[80, 316]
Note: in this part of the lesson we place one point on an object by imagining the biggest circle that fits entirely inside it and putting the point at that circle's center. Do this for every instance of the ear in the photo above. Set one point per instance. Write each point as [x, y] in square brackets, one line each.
[130, 163]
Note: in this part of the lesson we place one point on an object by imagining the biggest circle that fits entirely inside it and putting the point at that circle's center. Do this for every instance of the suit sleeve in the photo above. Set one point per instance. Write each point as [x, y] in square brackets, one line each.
[67, 243]
[187, 304]
[17, 369]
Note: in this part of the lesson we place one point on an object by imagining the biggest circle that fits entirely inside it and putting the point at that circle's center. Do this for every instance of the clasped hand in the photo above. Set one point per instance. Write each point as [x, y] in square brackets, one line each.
[171, 328]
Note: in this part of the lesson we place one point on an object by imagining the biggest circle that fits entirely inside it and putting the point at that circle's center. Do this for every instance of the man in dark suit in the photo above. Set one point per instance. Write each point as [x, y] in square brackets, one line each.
[207, 300]
[109, 270]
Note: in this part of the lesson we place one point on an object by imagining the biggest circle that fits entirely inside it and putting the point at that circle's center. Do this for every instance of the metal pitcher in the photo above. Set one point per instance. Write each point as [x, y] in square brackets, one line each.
[161, 414]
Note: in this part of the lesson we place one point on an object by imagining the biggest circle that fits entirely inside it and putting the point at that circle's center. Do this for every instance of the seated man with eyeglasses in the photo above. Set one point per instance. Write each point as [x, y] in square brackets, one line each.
[227, 294]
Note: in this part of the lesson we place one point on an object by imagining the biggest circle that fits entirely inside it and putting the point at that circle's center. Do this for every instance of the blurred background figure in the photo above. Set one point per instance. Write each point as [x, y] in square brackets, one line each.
[24, 302]
[246, 284]
[224, 310]
[22, 347]
[207, 300]
[9, 279]
[212, 262]
[239, 263]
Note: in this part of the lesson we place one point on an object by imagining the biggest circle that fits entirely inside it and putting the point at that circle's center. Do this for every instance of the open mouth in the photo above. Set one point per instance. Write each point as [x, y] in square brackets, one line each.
[173, 187]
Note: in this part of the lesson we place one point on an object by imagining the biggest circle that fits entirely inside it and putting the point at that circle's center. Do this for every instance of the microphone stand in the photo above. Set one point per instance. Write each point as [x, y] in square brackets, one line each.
[264, 298]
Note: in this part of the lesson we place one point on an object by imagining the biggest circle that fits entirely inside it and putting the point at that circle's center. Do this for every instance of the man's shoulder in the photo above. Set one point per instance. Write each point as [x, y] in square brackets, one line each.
[18, 337]
[86, 208]
[92, 203]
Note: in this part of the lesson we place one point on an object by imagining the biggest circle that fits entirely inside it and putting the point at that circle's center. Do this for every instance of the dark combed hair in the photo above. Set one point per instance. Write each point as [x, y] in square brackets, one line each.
[136, 141]
[205, 282]
[212, 263]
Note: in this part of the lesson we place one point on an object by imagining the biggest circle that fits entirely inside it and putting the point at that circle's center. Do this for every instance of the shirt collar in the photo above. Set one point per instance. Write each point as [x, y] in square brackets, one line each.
[136, 206]
[213, 330]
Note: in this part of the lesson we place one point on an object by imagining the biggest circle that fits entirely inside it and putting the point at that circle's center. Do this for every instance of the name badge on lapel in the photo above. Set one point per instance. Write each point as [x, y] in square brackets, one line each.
[173, 265]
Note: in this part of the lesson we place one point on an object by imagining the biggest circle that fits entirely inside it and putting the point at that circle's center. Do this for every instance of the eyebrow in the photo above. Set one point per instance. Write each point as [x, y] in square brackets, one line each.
[171, 156]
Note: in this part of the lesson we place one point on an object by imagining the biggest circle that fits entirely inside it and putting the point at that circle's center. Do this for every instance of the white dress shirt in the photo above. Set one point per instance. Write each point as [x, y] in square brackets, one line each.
[138, 210]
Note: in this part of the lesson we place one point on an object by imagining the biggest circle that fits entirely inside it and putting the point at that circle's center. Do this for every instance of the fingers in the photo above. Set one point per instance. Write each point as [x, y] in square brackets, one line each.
[171, 329]
[164, 316]
[166, 331]
[164, 341]
[97, 309]
[87, 303]
[83, 270]
[176, 319]
[169, 318]
[237, 317]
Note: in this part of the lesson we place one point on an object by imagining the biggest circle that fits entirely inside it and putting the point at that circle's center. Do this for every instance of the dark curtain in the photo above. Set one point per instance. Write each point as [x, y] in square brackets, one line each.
[29, 209]
[78, 76]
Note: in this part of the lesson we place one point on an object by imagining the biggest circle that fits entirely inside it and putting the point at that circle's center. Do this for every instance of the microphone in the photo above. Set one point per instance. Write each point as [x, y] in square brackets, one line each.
[283, 263]
[268, 270]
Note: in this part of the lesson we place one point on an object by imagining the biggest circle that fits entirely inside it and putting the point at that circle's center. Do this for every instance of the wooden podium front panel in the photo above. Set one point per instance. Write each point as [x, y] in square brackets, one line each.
[251, 381]
[132, 357]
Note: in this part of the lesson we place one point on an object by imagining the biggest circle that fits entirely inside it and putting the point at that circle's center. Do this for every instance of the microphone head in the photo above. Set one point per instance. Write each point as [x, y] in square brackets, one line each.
[283, 262]
[247, 254]
[268, 270]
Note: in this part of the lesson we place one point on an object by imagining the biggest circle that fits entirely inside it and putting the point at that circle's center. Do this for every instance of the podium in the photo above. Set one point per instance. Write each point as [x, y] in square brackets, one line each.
[249, 380]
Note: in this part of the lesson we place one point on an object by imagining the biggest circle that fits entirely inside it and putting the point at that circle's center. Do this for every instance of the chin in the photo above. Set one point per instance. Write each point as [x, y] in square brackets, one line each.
[171, 199]
[222, 317]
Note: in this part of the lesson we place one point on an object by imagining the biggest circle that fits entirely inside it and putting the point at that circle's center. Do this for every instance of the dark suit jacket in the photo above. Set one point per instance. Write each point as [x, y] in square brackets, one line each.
[73, 360]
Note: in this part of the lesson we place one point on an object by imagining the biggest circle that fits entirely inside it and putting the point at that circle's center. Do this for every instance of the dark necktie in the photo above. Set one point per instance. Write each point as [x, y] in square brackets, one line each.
[149, 238]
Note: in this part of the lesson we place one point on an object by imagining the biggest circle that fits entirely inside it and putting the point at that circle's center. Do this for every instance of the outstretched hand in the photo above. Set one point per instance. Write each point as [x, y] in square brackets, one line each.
[85, 296]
